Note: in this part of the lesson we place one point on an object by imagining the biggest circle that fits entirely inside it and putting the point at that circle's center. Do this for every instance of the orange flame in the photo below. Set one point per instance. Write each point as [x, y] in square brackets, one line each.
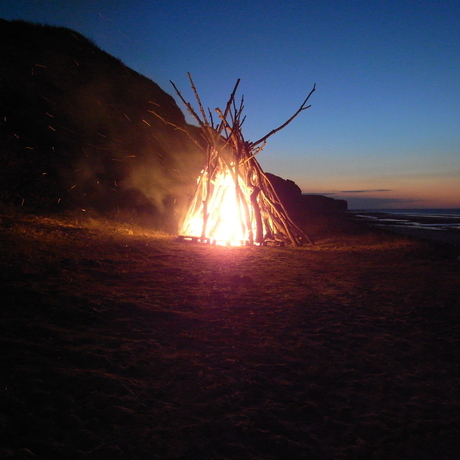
[221, 211]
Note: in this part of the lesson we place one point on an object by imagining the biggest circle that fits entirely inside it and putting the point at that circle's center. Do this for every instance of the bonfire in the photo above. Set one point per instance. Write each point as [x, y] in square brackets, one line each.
[234, 201]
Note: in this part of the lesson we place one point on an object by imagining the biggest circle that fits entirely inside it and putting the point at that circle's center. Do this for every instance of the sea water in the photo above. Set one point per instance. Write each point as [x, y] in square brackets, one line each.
[439, 224]
[434, 219]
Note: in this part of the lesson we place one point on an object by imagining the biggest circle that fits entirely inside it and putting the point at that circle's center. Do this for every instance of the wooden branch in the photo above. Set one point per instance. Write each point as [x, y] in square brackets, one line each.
[247, 216]
[229, 130]
[257, 215]
[231, 99]
[274, 198]
[273, 131]
[189, 106]
[211, 118]
[253, 154]
[197, 97]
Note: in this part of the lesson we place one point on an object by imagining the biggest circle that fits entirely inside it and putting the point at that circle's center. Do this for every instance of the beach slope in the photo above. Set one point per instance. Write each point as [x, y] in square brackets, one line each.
[122, 343]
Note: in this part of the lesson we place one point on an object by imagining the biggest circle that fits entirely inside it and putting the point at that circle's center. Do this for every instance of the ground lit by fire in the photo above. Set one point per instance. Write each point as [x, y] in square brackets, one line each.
[120, 343]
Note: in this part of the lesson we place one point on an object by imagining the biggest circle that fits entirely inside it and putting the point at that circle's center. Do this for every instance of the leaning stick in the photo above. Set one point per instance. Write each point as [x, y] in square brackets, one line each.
[273, 131]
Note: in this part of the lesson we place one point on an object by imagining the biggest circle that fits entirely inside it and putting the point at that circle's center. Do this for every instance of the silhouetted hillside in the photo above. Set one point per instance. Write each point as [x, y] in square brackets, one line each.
[297, 203]
[77, 128]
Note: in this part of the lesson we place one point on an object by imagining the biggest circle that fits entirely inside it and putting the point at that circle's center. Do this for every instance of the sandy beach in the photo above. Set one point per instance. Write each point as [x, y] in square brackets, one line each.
[122, 343]
[444, 237]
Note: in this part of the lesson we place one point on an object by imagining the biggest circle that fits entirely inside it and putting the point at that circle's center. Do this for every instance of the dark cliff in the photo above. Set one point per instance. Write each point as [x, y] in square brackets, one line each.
[77, 128]
[297, 203]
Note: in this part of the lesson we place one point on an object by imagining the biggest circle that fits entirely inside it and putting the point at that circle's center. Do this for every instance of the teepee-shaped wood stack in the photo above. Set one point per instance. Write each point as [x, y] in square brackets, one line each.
[234, 202]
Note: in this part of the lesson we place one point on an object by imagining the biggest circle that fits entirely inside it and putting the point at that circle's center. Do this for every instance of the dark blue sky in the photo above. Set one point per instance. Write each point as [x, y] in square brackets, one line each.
[384, 126]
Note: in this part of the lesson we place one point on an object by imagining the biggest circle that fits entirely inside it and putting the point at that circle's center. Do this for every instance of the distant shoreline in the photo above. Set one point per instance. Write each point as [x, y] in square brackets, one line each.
[435, 225]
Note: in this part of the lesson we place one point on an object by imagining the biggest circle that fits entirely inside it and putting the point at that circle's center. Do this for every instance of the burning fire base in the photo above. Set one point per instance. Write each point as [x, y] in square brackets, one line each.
[215, 242]
[230, 207]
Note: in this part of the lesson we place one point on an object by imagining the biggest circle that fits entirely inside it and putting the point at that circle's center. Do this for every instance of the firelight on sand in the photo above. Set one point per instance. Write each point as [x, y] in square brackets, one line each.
[234, 202]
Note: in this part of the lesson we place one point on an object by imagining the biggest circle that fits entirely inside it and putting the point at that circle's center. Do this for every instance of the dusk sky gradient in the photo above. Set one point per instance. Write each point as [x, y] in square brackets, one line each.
[384, 127]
